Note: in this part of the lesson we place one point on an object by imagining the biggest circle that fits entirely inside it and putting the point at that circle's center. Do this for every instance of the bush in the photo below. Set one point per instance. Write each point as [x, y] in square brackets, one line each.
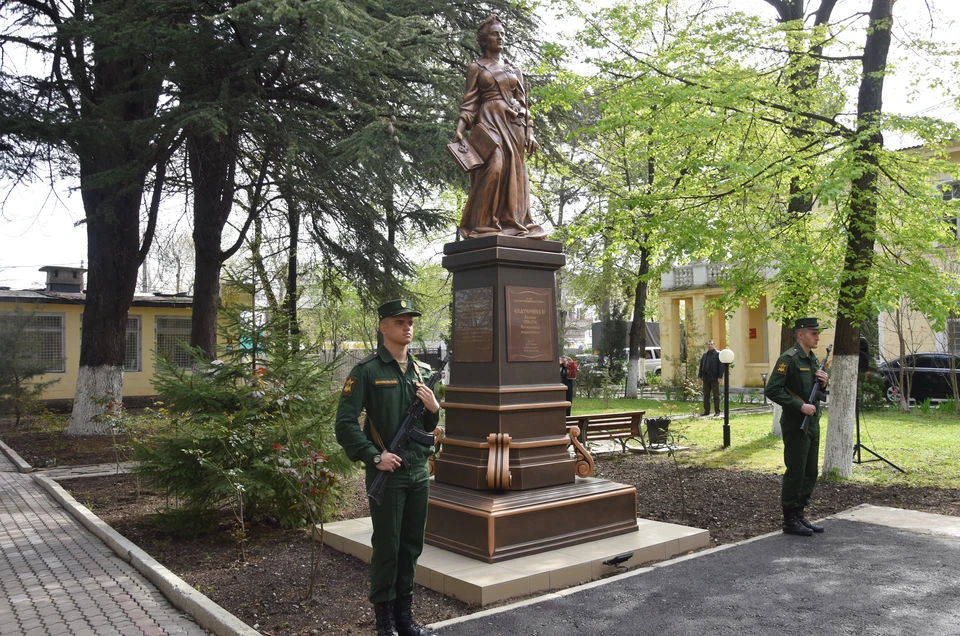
[228, 419]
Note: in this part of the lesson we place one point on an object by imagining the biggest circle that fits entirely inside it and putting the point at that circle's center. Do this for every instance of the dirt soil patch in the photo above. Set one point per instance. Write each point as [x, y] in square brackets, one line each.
[46, 446]
[267, 590]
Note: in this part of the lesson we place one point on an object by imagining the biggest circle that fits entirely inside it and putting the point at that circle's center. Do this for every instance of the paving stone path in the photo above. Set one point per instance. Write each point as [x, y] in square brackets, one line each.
[56, 578]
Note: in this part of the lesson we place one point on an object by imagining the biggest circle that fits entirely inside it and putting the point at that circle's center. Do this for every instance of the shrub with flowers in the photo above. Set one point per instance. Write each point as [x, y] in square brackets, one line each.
[229, 416]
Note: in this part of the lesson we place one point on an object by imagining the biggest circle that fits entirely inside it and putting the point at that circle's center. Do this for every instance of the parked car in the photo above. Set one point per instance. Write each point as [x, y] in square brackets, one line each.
[653, 361]
[930, 376]
[651, 364]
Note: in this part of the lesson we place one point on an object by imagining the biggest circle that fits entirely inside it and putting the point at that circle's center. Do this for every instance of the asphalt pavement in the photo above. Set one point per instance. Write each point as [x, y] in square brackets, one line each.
[857, 578]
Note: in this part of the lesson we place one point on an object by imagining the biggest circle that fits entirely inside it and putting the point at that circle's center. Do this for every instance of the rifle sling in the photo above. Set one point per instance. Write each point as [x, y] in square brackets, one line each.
[794, 395]
[377, 440]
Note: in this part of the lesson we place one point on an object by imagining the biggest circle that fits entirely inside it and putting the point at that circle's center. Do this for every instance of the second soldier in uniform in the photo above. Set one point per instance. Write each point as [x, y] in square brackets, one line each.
[791, 383]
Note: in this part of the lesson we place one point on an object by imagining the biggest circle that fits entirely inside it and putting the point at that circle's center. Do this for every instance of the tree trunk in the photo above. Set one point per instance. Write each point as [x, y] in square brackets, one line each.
[861, 230]
[212, 161]
[788, 338]
[293, 222]
[638, 330]
[113, 236]
[119, 97]
[802, 76]
[206, 297]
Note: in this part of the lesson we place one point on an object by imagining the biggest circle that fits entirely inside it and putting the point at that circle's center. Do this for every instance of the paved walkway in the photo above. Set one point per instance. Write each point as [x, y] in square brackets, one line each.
[58, 578]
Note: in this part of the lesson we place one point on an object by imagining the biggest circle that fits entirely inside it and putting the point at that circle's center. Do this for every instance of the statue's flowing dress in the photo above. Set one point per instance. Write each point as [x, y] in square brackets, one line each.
[499, 200]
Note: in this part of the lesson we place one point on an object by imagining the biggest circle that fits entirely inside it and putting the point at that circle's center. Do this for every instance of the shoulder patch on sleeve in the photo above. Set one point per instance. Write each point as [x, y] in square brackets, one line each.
[348, 386]
[782, 368]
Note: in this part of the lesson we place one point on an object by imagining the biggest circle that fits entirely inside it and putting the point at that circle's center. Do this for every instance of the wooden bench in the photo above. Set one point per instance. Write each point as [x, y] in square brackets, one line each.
[620, 427]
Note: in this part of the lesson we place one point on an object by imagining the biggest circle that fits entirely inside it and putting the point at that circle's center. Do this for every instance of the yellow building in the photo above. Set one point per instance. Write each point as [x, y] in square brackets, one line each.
[155, 322]
[754, 338]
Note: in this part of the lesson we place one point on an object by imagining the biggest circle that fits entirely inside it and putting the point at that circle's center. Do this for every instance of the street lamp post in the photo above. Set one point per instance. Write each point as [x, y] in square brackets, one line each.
[763, 376]
[726, 357]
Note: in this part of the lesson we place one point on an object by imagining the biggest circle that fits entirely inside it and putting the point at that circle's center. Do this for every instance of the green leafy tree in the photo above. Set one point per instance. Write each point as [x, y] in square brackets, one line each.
[733, 132]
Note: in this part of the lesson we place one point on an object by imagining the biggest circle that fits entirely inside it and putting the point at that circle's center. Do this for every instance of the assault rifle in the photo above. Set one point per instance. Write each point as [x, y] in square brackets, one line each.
[408, 431]
[816, 394]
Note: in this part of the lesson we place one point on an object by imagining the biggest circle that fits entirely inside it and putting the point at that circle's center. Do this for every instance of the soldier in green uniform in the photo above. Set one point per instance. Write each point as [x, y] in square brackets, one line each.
[382, 387]
[790, 385]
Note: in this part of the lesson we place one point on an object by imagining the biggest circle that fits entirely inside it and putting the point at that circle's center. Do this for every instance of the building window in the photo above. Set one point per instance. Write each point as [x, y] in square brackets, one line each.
[951, 192]
[953, 335]
[44, 333]
[131, 353]
[173, 336]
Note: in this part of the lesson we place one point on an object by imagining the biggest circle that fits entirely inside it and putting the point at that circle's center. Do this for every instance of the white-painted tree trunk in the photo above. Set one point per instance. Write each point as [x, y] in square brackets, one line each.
[632, 375]
[838, 452]
[775, 430]
[98, 388]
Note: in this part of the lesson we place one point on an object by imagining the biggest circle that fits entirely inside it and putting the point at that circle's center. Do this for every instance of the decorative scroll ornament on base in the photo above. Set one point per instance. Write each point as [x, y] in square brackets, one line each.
[431, 461]
[584, 465]
[498, 461]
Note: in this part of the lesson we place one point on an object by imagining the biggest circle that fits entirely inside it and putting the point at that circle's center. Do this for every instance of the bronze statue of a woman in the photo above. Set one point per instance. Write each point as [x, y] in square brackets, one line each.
[495, 108]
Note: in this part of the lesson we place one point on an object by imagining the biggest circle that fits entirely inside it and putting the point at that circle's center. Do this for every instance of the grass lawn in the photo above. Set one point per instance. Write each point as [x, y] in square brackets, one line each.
[926, 445]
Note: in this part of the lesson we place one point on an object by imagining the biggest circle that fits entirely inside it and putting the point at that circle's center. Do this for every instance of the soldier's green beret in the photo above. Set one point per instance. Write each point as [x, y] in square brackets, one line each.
[806, 323]
[398, 307]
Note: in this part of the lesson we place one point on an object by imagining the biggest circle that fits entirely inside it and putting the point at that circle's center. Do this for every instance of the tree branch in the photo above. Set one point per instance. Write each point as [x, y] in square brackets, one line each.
[161, 173]
[254, 207]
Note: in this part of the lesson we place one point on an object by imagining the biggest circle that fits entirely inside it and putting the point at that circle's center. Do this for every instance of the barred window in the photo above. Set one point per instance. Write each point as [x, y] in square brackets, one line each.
[131, 353]
[173, 334]
[951, 192]
[45, 335]
[953, 335]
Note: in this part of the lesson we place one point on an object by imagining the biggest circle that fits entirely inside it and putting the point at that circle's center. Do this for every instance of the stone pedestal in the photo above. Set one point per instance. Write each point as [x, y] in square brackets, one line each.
[505, 483]
[505, 374]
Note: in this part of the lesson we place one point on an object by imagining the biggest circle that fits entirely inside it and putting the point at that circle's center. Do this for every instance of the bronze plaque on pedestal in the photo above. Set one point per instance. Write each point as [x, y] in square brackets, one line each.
[530, 321]
[473, 325]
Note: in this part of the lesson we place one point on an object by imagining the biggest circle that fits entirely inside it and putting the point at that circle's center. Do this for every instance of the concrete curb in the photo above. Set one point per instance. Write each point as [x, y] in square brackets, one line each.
[205, 612]
[21, 465]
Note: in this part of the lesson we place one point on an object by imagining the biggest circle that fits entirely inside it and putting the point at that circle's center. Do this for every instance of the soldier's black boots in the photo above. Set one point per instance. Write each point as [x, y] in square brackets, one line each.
[403, 615]
[798, 513]
[384, 614]
[792, 525]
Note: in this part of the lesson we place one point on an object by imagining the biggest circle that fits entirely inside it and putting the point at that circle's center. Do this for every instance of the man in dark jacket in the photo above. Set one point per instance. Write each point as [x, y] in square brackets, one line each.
[791, 384]
[709, 373]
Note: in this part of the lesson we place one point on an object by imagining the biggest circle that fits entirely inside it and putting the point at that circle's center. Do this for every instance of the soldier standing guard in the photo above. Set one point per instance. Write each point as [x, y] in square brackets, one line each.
[793, 378]
[384, 385]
